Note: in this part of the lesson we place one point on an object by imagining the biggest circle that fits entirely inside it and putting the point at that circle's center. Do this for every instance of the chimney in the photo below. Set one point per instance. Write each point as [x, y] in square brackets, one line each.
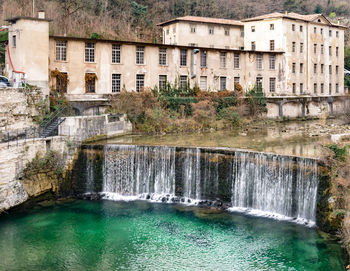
[286, 12]
[41, 14]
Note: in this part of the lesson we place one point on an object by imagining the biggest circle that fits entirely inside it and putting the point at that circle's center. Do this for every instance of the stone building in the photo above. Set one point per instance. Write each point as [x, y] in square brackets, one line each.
[288, 55]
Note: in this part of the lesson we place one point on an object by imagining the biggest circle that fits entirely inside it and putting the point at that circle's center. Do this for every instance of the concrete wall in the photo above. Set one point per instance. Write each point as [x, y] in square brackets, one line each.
[84, 127]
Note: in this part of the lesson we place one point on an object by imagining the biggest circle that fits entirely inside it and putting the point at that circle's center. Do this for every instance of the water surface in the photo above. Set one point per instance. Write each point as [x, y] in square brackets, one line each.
[140, 235]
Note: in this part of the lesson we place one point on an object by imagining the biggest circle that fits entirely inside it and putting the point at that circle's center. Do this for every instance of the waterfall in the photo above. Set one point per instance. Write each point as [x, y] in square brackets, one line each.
[257, 183]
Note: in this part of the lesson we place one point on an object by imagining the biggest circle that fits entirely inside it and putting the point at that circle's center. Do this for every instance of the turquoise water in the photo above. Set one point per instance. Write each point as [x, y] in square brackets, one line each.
[106, 235]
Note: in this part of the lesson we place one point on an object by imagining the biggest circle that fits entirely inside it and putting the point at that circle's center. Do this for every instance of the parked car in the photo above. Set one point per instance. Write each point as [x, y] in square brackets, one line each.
[4, 82]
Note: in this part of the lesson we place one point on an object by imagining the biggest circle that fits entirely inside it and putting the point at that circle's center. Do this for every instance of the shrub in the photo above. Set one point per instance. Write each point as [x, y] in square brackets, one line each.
[230, 116]
[339, 153]
[51, 161]
[256, 101]
[204, 113]
[156, 120]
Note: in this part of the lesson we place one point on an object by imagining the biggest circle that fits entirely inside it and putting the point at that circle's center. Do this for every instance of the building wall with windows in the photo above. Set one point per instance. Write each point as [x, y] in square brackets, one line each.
[28, 49]
[204, 34]
[284, 56]
[210, 69]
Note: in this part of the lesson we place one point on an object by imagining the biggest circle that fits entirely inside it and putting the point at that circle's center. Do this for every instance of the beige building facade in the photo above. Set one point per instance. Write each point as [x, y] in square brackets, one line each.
[288, 55]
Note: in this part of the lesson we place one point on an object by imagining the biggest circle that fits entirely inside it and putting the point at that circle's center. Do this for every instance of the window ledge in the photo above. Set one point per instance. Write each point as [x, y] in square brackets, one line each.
[61, 61]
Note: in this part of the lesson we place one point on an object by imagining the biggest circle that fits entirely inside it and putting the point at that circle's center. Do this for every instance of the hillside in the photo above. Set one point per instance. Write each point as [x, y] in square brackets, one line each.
[136, 20]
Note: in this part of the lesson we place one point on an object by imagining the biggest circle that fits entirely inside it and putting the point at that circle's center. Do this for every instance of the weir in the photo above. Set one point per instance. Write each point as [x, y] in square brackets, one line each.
[283, 187]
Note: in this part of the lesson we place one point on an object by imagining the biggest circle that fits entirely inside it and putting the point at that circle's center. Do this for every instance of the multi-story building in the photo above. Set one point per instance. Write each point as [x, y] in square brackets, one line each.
[287, 55]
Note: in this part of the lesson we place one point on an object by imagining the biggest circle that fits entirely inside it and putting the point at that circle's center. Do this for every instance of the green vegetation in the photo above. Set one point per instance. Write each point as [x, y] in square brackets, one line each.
[50, 162]
[340, 154]
[176, 109]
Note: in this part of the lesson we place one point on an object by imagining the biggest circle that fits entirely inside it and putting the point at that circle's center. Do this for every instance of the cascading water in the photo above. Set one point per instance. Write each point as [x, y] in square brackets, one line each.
[258, 183]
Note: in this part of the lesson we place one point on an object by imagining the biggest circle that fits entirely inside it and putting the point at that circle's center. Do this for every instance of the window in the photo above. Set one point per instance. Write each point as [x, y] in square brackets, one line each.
[315, 30]
[293, 27]
[183, 81]
[211, 30]
[336, 51]
[330, 50]
[301, 88]
[330, 33]
[14, 41]
[167, 31]
[236, 61]
[193, 28]
[293, 46]
[227, 32]
[337, 34]
[301, 28]
[223, 60]
[253, 28]
[337, 69]
[140, 55]
[294, 88]
[330, 69]
[174, 29]
[140, 82]
[183, 58]
[242, 34]
[259, 82]
[336, 88]
[315, 48]
[315, 68]
[61, 82]
[222, 83]
[116, 82]
[322, 50]
[90, 82]
[259, 61]
[273, 84]
[61, 50]
[162, 82]
[322, 68]
[116, 54]
[272, 62]
[203, 59]
[203, 83]
[315, 88]
[330, 89]
[272, 45]
[162, 56]
[301, 67]
[293, 67]
[322, 88]
[321, 31]
[253, 45]
[272, 26]
[89, 52]
[301, 47]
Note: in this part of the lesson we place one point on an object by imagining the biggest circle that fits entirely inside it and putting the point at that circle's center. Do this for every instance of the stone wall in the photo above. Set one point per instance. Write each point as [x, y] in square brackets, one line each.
[18, 107]
[13, 159]
[84, 127]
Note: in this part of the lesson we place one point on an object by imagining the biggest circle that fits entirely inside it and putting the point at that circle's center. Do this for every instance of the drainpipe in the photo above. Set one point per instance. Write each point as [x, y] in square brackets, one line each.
[194, 63]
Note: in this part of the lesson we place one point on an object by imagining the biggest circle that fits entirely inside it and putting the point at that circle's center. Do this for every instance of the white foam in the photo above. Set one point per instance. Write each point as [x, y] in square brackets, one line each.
[260, 213]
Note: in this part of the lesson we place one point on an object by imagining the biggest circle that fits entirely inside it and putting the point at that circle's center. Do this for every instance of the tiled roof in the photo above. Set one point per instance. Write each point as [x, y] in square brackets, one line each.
[290, 15]
[203, 20]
